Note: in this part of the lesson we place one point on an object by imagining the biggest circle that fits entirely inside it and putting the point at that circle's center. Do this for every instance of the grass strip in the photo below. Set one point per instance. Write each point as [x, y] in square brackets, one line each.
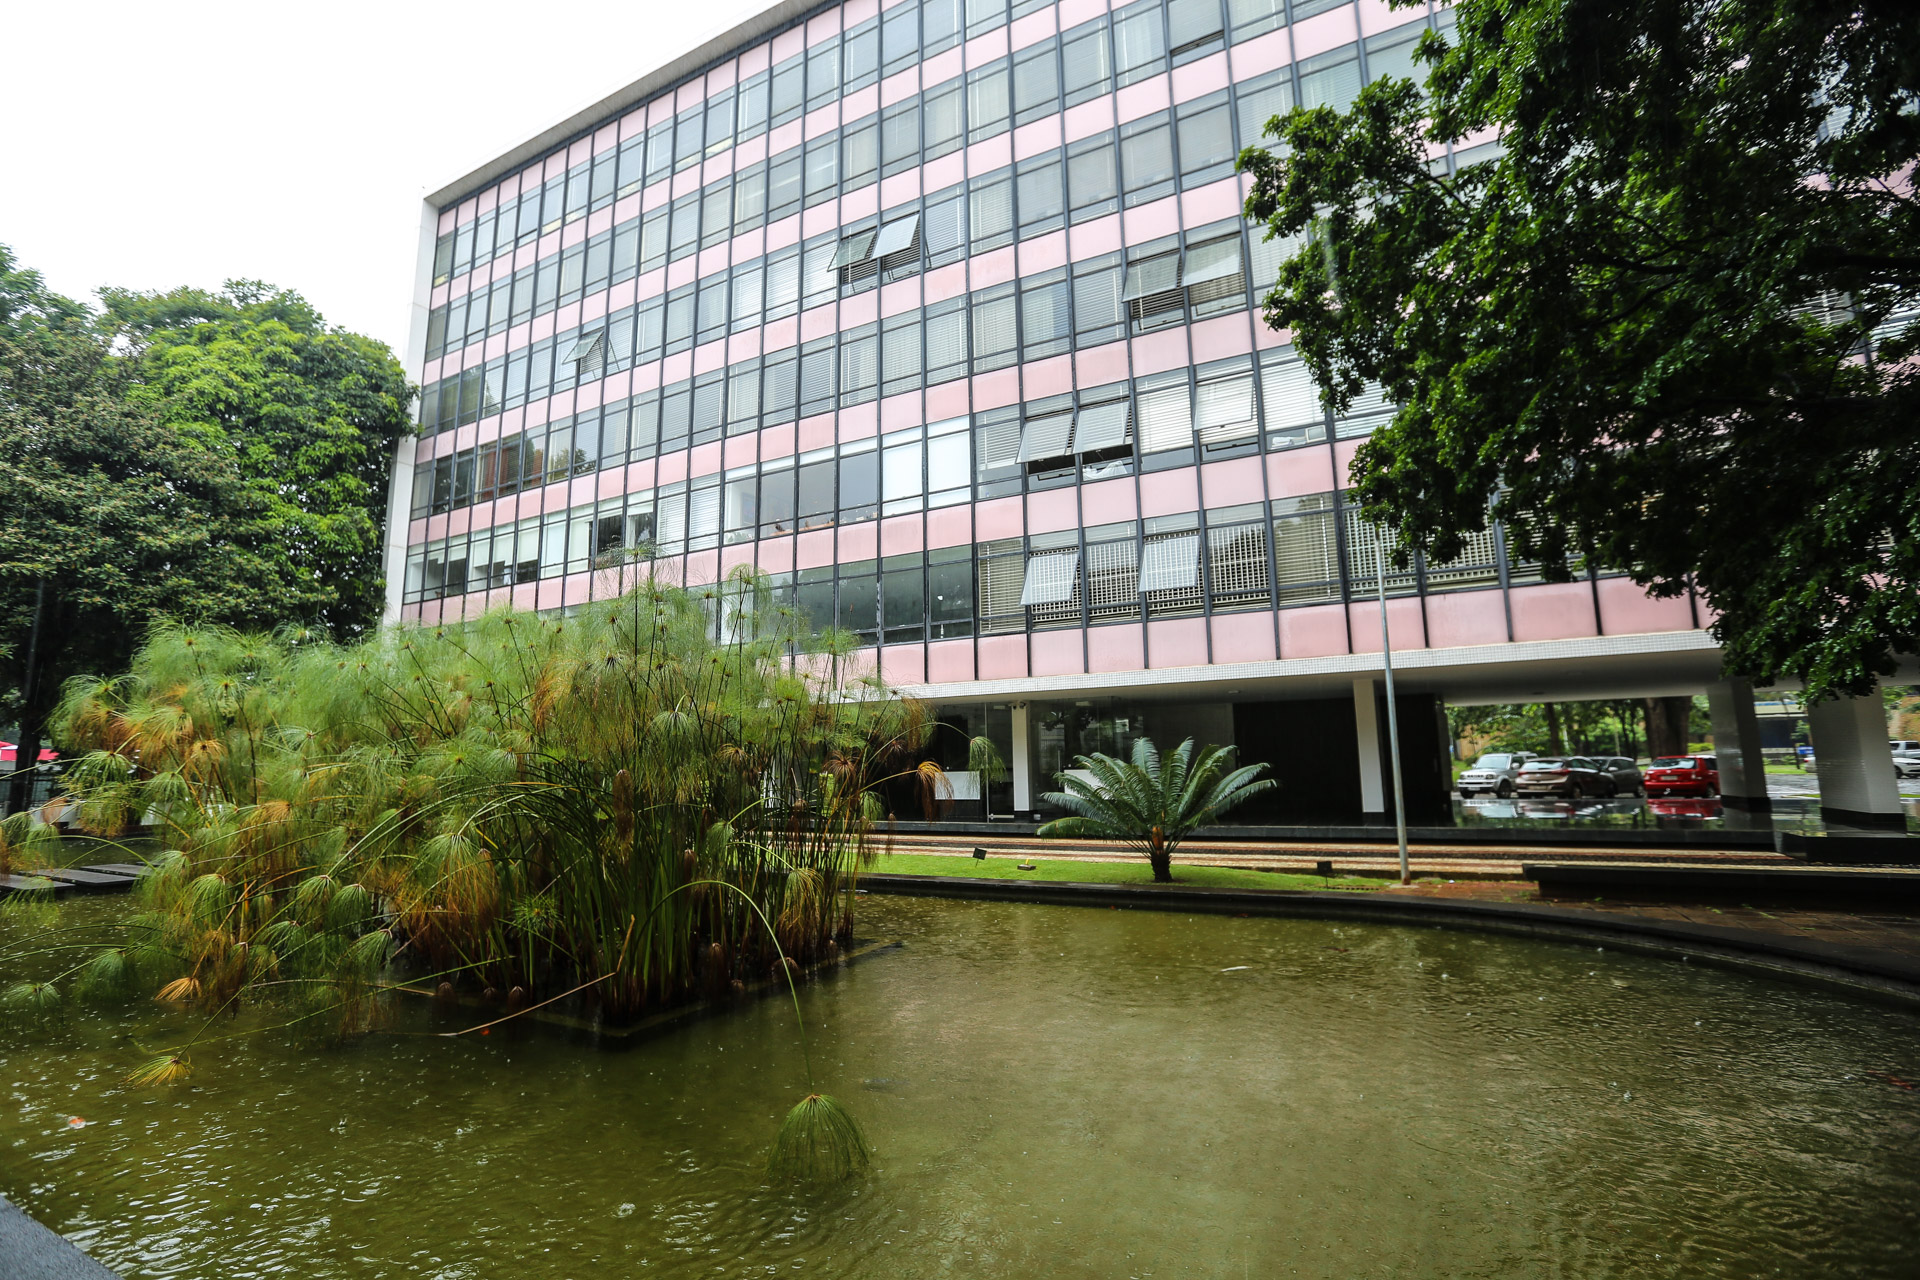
[1006, 867]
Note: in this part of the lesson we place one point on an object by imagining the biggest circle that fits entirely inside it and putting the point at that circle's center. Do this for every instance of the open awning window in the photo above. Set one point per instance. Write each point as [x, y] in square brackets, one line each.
[1171, 563]
[1050, 577]
[855, 248]
[899, 235]
[1104, 426]
[1151, 277]
[587, 350]
[1214, 260]
[1046, 437]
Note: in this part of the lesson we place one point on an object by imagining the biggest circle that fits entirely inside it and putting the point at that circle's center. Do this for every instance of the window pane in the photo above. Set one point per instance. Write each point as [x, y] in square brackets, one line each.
[1255, 17]
[1331, 80]
[1041, 201]
[900, 138]
[1099, 314]
[990, 214]
[941, 24]
[1139, 42]
[1206, 142]
[860, 56]
[994, 331]
[789, 88]
[749, 198]
[987, 102]
[719, 127]
[1257, 104]
[784, 175]
[944, 123]
[1087, 63]
[1191, 24]
[1093, 185]
[1146, 162]
[860, 485]
[1043, 317]
[860, 155]
[1036, 83]
[950, 597]
[946, 228]
[823, 74]
[823, 171]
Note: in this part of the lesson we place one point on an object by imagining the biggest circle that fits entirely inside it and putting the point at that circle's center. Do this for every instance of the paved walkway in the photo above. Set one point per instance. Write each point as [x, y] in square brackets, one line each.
[1885, 931]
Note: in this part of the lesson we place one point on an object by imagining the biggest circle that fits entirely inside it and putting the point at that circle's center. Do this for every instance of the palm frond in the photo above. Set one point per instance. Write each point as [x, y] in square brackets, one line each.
[818, 1142]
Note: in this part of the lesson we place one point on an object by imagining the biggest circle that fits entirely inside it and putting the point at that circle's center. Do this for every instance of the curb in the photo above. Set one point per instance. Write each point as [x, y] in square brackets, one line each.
[1861, 970]
[29, 1251]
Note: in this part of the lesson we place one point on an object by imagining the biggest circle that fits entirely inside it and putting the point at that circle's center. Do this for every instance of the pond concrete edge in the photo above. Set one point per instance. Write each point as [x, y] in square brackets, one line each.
[31, 1251]
[1859, 970]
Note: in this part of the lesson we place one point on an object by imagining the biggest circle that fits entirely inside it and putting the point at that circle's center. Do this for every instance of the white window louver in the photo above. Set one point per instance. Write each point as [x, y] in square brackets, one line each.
[1225, 409]
[1104, 426]
[1292, 399]
[854, 249]
[1212, 270]
[898, 244]
[1153, 286]
[1050, 577]
[1047, 437]
[1171, 564]
[588, 354]
[1166, 417]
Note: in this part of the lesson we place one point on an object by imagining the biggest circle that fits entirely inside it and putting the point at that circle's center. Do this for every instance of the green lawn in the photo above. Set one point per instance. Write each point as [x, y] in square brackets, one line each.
[1002, 867]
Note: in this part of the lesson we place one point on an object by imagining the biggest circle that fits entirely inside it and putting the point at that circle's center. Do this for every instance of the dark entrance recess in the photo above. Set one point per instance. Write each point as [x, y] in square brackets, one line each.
[1312, 749]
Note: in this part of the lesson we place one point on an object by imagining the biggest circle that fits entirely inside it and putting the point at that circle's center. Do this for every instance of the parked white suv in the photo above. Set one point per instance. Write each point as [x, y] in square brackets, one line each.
[1493, 774]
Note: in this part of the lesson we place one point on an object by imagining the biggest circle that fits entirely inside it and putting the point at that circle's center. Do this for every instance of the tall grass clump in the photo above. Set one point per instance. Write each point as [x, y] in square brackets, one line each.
[611, 802]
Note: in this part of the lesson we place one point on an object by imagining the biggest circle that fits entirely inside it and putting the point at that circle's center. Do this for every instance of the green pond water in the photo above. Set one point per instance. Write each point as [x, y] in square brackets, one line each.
[1049, 1092]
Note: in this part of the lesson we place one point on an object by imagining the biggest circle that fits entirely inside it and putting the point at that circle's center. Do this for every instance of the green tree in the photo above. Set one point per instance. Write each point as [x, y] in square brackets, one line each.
[1666, 331]
[112, 518]
[214, 458]
[310, 415]
[1151, 805]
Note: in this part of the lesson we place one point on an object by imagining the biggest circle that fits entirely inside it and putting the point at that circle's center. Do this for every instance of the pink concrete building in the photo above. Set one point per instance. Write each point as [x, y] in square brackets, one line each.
[942, 313]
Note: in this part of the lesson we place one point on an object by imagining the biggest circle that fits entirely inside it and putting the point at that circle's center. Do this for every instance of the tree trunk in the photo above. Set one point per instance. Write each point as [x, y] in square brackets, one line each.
[1161, 860]
[1667, 725]
[1555, 746]
[33, 720]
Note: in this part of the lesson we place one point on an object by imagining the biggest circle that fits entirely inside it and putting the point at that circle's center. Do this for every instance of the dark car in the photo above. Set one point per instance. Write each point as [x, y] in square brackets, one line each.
[1564, 776]
[1624, 772]
[1684, 776]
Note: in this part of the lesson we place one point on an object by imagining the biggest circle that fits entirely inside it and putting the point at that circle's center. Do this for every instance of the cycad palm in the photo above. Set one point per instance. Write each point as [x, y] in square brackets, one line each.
[1150, 803]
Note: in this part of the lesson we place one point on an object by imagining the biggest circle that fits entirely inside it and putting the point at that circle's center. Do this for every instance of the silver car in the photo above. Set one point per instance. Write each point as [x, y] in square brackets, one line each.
[1493, 774]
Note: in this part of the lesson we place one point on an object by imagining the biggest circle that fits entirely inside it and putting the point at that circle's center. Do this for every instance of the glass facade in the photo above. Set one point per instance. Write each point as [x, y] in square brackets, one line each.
[942, 314]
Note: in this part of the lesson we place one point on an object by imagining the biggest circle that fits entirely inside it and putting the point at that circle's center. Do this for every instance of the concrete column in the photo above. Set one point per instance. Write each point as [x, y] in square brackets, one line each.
[1022, 763]
[1736, 744]
[1857, 786]
[1366, 725]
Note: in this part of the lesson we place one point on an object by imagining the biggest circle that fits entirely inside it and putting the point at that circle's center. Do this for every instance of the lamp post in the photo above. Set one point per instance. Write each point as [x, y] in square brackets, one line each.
[1393, 714]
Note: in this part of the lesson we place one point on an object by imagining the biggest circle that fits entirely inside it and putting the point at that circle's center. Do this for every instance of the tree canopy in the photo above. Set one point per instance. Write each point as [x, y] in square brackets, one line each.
[1668, 330]
[309, 415]
[209, 458]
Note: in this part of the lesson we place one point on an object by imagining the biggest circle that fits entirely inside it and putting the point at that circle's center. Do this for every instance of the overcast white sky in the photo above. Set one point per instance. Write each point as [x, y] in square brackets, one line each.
[150, 146]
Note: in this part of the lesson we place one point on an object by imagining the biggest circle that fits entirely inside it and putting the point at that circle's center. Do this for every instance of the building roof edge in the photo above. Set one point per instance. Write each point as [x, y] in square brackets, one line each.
[716, 48]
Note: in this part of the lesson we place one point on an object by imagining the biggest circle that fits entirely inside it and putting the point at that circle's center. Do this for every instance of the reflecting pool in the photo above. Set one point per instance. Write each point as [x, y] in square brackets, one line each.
[1049, 1092]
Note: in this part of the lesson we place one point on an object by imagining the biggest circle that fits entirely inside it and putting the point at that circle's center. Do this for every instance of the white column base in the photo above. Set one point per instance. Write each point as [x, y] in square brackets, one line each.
[1857, 784]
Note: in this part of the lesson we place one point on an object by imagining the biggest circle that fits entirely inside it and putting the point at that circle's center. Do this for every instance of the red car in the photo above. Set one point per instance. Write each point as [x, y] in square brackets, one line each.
[1684, 776]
